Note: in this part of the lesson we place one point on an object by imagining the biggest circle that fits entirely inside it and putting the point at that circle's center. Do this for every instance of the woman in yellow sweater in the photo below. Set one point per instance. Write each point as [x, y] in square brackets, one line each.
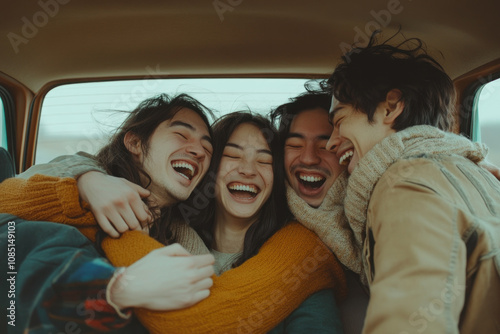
[265, 291]
[248, 205]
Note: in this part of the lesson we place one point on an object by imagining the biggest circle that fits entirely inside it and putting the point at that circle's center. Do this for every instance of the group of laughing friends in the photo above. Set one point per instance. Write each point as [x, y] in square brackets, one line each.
[357, 189]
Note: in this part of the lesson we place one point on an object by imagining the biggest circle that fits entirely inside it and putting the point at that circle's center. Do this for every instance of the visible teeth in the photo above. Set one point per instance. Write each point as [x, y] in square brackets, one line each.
[242, 187]
[347, 155]
[185, 176]
[182, 164]
[309, 178]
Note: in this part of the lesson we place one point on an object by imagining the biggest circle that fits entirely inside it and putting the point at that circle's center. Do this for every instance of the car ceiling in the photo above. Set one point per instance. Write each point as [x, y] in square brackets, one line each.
[94, 38]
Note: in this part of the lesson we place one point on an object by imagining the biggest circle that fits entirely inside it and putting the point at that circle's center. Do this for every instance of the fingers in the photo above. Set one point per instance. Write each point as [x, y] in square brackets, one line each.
[124, 216]
[205, 284]
[145, 230]
[142, 192]
[139, 208]
[204, 260]
[105, 225]
[140, 212]
[174, 250]
[203, 278]
[200, 291]
[115, 202]
[188, 281]
[128, 216]
[200, 295]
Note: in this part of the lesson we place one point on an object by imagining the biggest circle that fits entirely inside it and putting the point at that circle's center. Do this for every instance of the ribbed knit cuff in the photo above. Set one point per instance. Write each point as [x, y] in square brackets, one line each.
[66, 190]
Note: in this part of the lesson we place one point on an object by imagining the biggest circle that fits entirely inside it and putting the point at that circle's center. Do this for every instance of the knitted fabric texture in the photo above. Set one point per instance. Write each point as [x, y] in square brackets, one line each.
[290, 266]
[54, 199]
[302, 262]
[412, 142]
[188, 238]
[47, 198]
[329, 222]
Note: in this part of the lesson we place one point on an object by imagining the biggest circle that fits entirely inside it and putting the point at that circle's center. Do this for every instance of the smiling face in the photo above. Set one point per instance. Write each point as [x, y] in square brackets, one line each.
[310, 168]
[353, 135]
[178, 156]
[245, 175]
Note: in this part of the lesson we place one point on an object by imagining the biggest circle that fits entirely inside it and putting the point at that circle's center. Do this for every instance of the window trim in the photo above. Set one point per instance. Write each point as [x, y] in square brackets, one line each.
[9, 110]
[471, 93]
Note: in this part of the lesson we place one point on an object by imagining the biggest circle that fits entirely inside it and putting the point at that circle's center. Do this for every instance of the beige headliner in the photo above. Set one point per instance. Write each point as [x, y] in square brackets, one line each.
[96, 38]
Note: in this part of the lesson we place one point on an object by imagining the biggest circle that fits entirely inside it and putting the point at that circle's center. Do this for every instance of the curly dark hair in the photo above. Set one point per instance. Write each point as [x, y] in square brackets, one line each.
[284, 114]
[367, 74]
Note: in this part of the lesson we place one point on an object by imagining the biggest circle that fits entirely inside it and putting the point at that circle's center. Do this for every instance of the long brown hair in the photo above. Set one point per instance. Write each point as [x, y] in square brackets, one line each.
[273, 213]
[116, 159]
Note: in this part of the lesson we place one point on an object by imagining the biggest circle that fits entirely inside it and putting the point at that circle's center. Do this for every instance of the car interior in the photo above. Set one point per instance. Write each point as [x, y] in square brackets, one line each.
[50, 43]
[230, 54]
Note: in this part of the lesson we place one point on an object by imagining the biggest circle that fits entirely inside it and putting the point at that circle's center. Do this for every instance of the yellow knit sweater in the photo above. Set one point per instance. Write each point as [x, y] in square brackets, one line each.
[253, 297]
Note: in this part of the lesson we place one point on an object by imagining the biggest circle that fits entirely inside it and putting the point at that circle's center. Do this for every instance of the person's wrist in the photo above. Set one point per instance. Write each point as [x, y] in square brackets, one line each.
[83, 180]
[116, 292]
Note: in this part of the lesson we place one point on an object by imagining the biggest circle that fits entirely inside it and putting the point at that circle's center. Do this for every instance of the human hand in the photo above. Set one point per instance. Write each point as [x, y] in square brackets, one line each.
[168, 278]
[115, 202]
[493, 169]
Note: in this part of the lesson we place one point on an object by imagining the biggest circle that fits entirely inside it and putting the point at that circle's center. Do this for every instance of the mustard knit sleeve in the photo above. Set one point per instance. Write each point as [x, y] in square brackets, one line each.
[47, 198]
[255, 296]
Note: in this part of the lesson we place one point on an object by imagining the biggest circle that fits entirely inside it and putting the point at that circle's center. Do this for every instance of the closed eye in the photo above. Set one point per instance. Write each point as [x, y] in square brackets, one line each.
[180, 134]
[338, 121]
[208, 150]
[321, 144]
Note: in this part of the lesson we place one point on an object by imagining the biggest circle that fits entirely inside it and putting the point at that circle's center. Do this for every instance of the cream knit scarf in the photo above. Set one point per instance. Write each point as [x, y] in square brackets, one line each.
[329, 223]
[411, 142]
[188, 238]
[345, 236]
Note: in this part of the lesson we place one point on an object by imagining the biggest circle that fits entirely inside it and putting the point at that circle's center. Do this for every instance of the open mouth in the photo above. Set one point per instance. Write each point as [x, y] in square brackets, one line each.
[310, 181]
[244, 191]
[184, 169]
[346, 157]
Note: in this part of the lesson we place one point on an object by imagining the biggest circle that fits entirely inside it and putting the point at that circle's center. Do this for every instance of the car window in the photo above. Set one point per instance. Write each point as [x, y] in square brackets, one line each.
[81, 117]
[486, 128]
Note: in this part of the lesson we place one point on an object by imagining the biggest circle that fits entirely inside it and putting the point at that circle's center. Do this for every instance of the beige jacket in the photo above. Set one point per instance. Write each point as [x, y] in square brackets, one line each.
[433, 241]
[431, 238]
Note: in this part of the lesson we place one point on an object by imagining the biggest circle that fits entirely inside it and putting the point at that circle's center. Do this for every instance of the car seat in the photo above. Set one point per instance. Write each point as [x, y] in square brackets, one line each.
[6, 165]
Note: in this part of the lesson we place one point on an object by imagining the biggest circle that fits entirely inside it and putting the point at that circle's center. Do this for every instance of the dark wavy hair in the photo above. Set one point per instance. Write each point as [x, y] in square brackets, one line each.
[367, 74]
[271, 217]
[116, 159]
[285, 113]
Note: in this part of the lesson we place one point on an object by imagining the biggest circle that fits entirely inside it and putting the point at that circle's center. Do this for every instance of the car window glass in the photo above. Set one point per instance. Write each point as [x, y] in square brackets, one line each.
[488, 117]
[80, 117]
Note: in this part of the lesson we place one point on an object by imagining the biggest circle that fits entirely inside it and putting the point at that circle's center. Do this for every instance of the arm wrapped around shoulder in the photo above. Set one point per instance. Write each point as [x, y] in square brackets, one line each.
[47, 198]
[256, 296]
